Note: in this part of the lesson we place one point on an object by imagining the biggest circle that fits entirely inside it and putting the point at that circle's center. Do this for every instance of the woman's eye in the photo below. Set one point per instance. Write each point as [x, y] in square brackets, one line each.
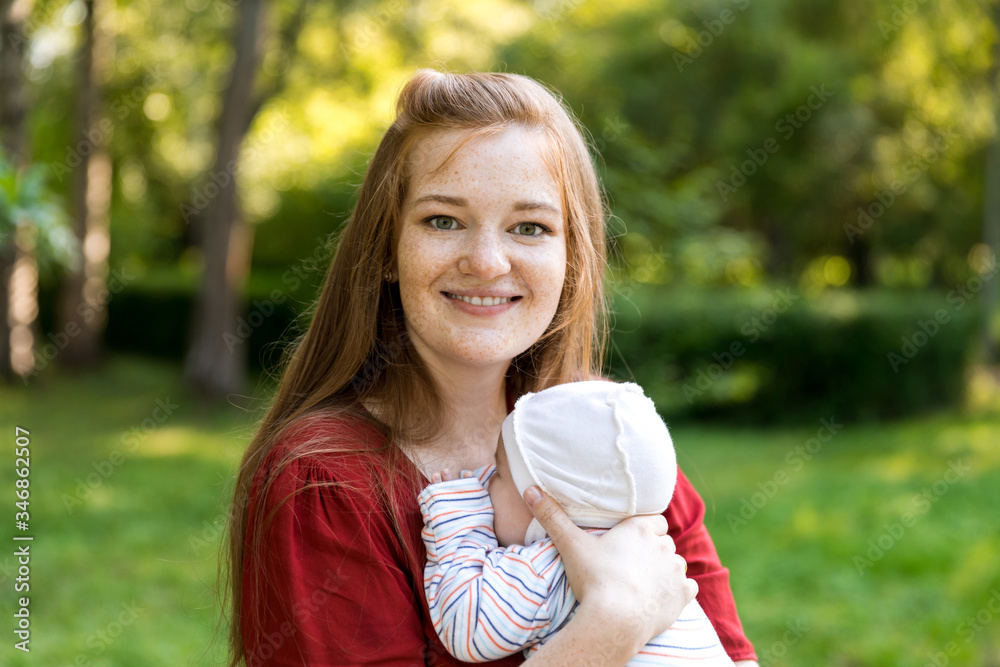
[529, 229]
[442, 222]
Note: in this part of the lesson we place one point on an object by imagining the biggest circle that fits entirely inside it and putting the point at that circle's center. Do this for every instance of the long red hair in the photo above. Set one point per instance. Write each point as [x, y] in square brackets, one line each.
[355, 350]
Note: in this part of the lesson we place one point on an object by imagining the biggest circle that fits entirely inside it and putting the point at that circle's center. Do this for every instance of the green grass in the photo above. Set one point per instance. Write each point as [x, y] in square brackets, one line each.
[120, 515]
[144, 528]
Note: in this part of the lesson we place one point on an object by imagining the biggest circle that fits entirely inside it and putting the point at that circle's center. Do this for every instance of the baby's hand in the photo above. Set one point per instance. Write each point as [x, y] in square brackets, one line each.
[446, 476]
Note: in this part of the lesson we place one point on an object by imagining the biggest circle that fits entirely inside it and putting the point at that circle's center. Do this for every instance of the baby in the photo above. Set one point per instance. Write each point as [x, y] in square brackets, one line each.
[494, 582]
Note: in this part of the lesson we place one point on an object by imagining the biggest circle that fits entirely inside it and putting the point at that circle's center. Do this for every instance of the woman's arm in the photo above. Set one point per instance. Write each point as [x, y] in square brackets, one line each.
[629, 582]
[324, 586]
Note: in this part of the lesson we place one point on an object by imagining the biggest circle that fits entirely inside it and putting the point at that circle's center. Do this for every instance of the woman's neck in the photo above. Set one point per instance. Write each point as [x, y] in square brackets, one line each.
[475, 402]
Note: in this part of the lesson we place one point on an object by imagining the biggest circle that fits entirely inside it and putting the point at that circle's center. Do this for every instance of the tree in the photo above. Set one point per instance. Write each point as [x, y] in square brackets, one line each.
[991, 212]
[12, 112]
[213, 367]
[91, 200]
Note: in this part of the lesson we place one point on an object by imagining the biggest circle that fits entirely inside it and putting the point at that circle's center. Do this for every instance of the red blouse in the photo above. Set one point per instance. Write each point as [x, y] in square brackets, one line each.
[332, 584]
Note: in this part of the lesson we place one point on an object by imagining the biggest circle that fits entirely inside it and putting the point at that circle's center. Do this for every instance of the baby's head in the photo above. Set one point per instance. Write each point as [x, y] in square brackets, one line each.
[599, 448]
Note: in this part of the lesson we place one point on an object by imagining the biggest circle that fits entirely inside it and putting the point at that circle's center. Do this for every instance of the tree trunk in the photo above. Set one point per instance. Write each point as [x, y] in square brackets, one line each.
[213, 367]
[13, 45]
[991, 213]
[91, 202]
[859, 252]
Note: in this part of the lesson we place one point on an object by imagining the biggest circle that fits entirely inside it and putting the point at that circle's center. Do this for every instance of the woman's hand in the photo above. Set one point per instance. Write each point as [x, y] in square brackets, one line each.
[631, 576]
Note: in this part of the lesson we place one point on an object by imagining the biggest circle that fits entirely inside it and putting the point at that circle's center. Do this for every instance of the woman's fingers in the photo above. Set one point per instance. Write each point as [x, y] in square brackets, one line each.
[633, 566]
[553, 518]
[658, 524]
[690, 589]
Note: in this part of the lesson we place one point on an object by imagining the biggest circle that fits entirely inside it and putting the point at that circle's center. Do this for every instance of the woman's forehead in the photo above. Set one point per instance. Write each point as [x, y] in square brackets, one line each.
[510, 158]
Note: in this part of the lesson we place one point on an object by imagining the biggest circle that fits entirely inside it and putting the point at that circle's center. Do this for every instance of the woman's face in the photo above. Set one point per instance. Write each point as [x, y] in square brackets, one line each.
[481, 257]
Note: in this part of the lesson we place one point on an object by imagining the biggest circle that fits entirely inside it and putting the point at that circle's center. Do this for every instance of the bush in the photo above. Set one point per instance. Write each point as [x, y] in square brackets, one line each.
[752, 356]
[155, 320]
[773, 355]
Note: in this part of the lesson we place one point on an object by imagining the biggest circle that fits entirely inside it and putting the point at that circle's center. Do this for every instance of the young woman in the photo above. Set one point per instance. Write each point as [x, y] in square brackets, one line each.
[470, 272]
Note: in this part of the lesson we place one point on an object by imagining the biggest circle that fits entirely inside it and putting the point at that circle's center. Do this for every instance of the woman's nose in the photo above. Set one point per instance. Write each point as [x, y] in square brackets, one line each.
[484, 256]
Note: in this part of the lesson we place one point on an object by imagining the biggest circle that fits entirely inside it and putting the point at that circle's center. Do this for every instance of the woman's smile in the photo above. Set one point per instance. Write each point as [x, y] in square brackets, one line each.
[481, 303]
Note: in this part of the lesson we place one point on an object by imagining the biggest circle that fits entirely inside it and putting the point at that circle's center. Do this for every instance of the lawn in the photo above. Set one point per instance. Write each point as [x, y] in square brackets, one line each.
[847, 544]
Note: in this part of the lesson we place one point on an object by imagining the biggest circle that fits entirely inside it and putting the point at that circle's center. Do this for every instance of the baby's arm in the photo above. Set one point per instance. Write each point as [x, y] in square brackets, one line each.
[486, 603]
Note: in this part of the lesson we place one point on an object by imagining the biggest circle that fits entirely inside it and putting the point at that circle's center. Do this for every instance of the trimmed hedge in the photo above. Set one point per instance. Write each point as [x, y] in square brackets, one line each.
[157, 322]
[774, 355]
[754, 356]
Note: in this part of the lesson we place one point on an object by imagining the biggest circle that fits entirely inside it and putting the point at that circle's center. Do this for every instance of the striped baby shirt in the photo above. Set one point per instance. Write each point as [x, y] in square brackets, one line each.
[488, 602]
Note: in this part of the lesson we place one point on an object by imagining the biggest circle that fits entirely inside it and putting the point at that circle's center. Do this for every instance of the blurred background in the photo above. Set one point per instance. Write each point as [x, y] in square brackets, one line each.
[806, 201]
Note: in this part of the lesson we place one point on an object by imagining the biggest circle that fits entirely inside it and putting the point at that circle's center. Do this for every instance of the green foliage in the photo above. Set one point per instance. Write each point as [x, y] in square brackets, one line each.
[154, 317]
[683, 102]
[775, 355]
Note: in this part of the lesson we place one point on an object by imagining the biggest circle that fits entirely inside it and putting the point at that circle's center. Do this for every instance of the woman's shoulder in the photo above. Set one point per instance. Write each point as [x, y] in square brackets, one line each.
[340, 448]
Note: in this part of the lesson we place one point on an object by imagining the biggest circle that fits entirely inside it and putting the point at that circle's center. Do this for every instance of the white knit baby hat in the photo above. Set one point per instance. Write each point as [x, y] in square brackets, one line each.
[599, 448]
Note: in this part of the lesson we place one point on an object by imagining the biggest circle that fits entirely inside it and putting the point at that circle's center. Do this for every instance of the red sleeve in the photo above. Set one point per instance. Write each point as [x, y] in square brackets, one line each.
[326, 586]
[685, 519]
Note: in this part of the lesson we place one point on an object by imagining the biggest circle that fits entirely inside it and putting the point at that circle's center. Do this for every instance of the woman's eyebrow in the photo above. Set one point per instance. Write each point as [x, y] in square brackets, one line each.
[462, 202]
[536, 206]
[441, 199]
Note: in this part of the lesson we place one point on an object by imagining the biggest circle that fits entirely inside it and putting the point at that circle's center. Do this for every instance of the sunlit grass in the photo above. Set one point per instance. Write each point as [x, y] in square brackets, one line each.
[123, 515]
[829, 548]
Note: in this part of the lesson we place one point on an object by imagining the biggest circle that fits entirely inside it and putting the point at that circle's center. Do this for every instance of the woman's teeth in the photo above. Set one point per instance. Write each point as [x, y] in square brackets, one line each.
[482, 301]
